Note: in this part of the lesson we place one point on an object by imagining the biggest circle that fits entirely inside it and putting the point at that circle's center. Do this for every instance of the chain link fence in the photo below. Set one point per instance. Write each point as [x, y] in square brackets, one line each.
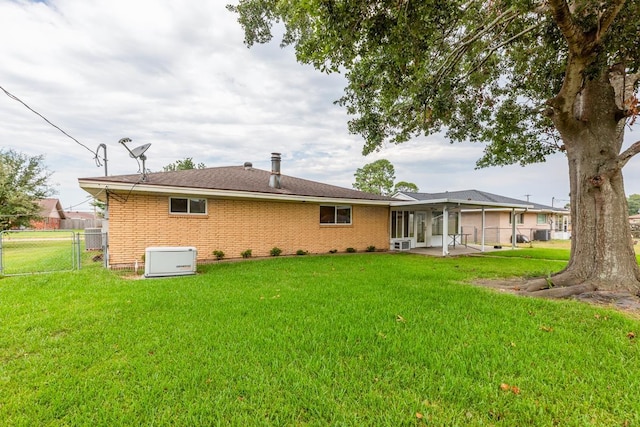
[31, 252]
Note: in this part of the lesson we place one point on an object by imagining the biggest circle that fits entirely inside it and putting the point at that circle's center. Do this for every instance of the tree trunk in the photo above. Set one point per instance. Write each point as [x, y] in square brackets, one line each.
[602, 255]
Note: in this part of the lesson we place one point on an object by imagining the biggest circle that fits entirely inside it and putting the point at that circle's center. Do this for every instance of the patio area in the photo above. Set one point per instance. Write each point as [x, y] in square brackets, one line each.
[459, 250]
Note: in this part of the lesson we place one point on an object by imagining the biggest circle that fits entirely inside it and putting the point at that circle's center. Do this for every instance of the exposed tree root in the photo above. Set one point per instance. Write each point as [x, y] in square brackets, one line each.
[564, 291]
[559, 280]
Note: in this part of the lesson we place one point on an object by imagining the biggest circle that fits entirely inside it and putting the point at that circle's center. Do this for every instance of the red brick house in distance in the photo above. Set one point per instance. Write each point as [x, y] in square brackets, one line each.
[51, 214]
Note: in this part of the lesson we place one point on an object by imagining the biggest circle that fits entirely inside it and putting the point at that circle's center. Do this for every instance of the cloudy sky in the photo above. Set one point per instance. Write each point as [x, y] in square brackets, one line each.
[177, 75]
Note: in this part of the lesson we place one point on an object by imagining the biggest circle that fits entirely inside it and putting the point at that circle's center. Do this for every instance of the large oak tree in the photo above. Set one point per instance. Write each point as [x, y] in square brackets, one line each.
[528, 78]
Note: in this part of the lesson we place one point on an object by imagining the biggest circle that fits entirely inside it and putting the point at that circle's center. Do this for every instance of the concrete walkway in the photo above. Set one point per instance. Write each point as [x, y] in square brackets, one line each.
[458, 250]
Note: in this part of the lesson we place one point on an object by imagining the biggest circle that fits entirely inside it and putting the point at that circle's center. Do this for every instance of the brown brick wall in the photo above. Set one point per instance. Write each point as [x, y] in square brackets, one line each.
[233, 226]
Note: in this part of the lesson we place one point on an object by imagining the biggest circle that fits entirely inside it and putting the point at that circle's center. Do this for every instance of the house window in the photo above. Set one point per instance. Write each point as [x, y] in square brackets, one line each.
[335, 214]
[542, 218]
[519, 218]
[180, 205]
[401, 224]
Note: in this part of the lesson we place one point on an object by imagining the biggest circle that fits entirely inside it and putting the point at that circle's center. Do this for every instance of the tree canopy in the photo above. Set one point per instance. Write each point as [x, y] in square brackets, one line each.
[23, 181]
[406, 187]
[378, 178]
[481, 70]
[633, 201]
[185, 164]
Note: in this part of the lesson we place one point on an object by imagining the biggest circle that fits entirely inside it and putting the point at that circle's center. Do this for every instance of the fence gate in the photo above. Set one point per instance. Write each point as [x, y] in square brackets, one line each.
[29, 252]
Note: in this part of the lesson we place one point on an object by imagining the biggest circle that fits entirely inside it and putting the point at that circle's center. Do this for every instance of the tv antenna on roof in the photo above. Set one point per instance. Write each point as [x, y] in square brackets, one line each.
[137, 153]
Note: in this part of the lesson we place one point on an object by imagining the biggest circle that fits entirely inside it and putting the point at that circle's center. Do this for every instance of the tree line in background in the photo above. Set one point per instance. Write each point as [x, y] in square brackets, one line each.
[379, 178]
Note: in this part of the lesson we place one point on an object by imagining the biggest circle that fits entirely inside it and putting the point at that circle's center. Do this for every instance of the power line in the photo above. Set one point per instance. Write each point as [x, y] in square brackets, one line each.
[15, 98]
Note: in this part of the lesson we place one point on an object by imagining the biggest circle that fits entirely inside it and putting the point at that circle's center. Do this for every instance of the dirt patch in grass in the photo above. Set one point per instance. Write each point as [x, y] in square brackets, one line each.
[623, 301]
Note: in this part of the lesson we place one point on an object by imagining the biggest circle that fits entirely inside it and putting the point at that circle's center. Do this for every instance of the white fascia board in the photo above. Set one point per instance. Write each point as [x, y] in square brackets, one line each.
[460, 203]
[402, 196]
[230, 194]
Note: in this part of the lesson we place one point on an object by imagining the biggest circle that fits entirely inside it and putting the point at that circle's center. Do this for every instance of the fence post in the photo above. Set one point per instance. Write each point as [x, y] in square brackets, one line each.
[1, 241]
[78, 250]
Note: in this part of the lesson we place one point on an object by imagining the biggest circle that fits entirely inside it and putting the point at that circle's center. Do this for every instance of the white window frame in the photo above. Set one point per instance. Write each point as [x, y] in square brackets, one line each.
[544, 219]
[335, 214]
[188, 212]
[519, 218]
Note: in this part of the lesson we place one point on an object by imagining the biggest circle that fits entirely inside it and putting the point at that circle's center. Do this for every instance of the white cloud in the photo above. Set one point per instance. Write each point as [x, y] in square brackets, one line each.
[178, 75]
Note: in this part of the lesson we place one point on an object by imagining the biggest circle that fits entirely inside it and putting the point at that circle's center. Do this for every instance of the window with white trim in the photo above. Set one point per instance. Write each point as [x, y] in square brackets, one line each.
[519, 218]
[542, 218]
[187, 206]
[335, 215]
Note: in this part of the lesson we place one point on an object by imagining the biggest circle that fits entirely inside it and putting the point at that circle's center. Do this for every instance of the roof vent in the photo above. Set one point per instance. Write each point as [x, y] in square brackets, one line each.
[275, 179]
[248, 165]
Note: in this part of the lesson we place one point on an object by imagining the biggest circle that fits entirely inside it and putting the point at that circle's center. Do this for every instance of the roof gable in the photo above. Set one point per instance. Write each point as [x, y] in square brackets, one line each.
[51, 208]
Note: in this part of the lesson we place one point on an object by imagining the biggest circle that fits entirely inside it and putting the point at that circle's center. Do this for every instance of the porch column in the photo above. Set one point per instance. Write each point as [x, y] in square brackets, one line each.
[482, 222]
[445, 231]
[513, 228]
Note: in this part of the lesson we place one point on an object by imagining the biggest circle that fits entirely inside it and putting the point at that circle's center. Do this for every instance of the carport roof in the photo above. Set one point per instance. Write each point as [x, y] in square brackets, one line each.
[466, 199]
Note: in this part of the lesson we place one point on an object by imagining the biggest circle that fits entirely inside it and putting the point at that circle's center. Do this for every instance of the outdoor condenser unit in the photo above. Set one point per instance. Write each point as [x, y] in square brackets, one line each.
[170, 261]
[402, 245]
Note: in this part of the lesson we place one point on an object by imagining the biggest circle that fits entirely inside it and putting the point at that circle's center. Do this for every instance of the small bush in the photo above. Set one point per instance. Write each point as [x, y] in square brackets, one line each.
[275, 251]
[301, 252]
[218, 254]
[333, 251]
[371, 248]
[351, 250]
[246, 254]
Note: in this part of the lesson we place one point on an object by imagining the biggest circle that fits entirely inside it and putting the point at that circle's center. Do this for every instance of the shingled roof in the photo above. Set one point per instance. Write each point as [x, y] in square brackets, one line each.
[478, 196]
[232, 179]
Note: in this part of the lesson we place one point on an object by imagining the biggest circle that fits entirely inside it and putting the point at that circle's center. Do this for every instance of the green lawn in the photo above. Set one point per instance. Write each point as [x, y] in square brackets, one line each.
[355, 340]
[26, 252]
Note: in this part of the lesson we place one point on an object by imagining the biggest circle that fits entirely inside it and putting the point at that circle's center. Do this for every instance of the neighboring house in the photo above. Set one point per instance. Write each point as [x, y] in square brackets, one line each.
[51, 213]
[232, 209]
[534, 221]
[634, 219]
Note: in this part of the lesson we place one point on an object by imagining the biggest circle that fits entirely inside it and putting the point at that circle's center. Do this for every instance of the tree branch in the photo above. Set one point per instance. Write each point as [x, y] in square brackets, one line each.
[458, 52]
[608, 17]
[501, 45]
[627, 154]
[570, 31]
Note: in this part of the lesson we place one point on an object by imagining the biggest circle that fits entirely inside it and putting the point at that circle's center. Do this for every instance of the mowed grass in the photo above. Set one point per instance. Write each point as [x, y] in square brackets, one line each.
[363, 339]
[26, 252]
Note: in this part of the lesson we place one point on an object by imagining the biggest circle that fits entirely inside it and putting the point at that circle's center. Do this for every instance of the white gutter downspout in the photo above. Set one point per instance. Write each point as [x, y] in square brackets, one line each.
[513, 228]
[482, 247]
[445, 231]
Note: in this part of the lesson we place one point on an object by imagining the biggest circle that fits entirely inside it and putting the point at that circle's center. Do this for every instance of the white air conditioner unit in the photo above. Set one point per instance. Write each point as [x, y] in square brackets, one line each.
[170, 261]
[402, 245]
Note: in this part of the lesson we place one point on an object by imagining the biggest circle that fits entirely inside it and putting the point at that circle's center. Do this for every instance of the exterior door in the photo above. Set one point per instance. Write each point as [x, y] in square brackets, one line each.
[421, 228]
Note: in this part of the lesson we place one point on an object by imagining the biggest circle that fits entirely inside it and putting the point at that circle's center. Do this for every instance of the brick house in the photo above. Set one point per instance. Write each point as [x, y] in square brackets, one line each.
[233, 209]
[51, 213]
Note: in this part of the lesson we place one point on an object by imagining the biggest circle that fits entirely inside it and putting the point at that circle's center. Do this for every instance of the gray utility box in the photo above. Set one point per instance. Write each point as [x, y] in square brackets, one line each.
[542, 235]
[170, 261]
[93, 239]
